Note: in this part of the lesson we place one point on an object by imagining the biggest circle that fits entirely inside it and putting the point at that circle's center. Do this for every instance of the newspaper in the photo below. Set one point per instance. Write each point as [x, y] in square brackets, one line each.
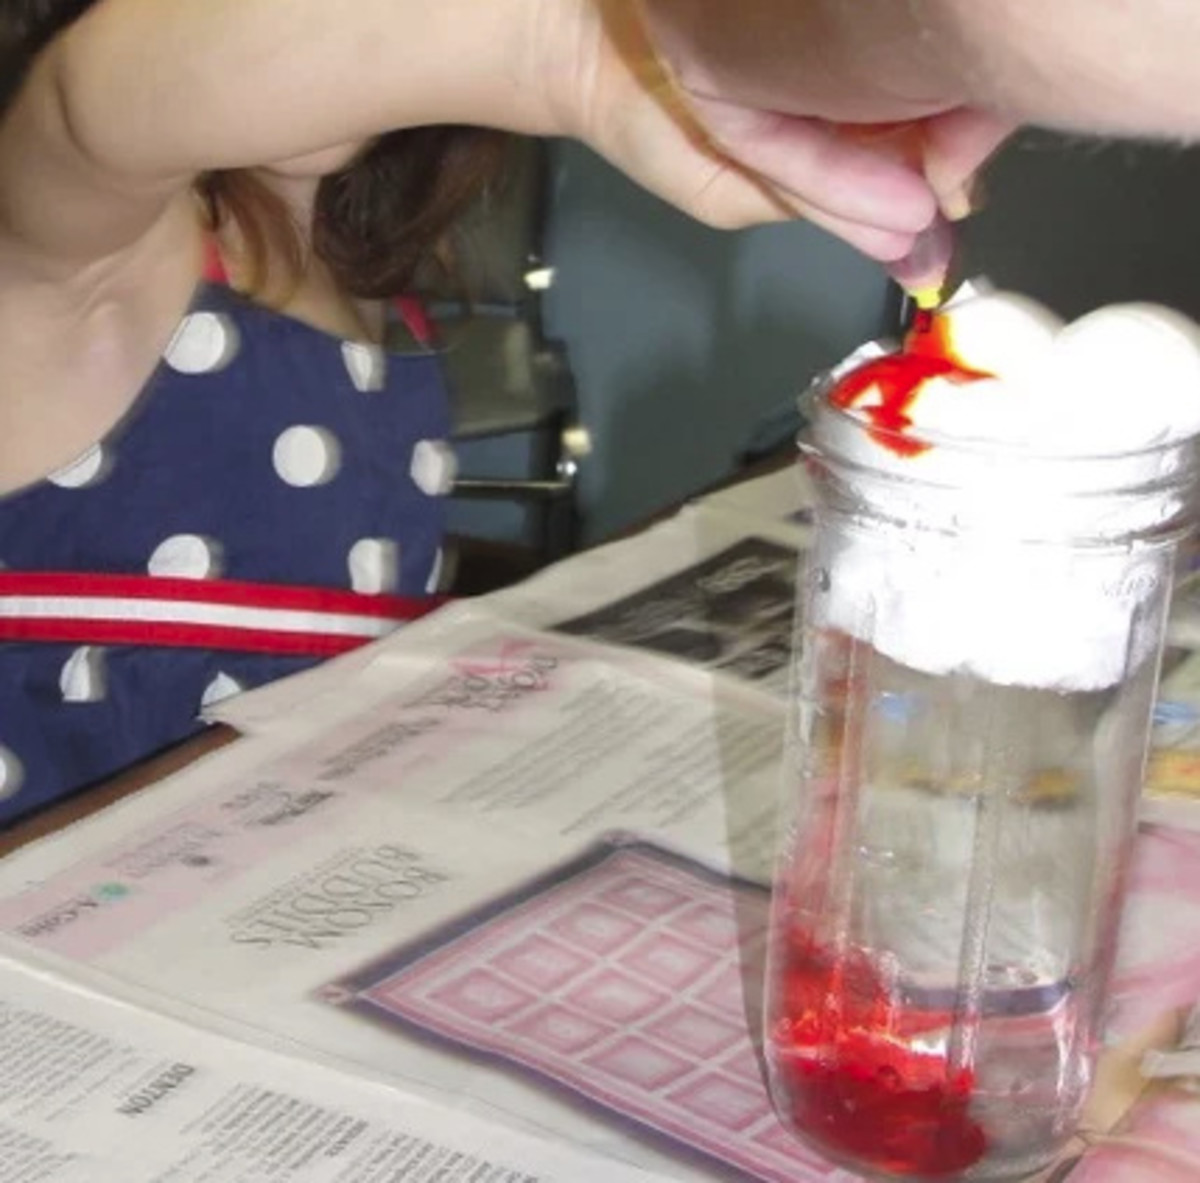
[782, 496]
[596, 821]
[531, 859]
[95, 1091]
[686, 587]
[513, 862]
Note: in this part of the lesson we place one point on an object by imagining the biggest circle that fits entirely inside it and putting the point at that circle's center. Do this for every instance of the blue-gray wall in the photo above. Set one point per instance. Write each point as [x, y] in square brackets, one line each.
[684, 339]
[1080, 224]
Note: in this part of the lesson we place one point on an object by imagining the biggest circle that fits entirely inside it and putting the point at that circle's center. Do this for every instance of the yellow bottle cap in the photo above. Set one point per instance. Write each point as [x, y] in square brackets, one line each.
[927, 298]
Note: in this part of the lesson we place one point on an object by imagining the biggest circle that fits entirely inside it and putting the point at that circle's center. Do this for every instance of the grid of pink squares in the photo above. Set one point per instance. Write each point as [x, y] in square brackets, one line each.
[626, 983]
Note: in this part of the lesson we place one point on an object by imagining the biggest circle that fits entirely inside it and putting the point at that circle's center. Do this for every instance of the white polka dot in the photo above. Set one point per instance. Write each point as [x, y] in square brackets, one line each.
[83, 676]
[89, 469]
[12, 773]
[433, 584]
[434, 467]
[186, 556]
[366, 365]
[219, 689]
[374, 566]
[307, 456]
[203, 343]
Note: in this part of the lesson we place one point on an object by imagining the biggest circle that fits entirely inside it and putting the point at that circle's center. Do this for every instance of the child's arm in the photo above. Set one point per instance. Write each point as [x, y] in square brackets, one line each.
[1115, 67]
[156, 88]
[139, 95]
[1108, 66]
[968, 69]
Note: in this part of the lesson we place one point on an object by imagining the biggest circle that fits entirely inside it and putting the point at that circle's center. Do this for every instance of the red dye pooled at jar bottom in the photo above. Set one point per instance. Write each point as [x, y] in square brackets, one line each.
[857, 1072]
[894, 383]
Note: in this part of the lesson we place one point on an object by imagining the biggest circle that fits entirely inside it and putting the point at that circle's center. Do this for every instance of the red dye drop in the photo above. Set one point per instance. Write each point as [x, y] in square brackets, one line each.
[855, 1084]
[897, 379]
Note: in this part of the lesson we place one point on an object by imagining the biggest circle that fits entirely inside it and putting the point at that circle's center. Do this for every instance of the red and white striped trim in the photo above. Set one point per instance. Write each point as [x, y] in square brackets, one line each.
[87, 609]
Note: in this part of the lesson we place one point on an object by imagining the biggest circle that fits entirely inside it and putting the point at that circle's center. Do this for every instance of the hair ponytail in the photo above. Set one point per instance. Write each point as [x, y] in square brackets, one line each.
[384, 225]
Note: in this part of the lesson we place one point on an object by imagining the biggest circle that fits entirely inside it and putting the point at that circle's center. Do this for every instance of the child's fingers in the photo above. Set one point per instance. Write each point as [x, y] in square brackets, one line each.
[786, 171]
[924, 267]
[957, 145]
[848, 178]
[732, 165]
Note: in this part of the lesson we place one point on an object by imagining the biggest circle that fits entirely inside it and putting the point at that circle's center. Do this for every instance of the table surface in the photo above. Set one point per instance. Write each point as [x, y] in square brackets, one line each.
[98, 797]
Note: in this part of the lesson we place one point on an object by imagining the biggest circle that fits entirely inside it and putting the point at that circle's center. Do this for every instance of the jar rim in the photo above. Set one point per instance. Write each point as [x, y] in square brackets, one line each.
[815, 404]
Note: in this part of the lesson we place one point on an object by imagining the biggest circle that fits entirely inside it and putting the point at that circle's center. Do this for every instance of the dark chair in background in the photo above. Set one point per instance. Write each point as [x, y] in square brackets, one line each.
[515, 424]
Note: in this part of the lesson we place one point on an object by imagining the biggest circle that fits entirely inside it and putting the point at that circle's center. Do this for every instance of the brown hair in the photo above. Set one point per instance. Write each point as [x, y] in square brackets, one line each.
[386, 224]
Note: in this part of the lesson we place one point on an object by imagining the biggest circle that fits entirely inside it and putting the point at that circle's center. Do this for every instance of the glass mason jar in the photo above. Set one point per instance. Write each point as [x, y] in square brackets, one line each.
[981, 629]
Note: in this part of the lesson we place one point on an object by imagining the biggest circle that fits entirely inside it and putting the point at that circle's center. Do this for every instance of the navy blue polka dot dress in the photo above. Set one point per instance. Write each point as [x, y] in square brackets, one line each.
[274, 497]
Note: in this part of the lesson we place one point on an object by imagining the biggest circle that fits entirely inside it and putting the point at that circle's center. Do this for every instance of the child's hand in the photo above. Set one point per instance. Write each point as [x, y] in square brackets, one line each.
[774, 83]
[743, 129]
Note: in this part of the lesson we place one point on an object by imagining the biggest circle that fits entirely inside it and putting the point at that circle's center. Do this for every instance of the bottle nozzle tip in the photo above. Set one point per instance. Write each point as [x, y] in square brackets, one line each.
[922, 272]
[926, 298]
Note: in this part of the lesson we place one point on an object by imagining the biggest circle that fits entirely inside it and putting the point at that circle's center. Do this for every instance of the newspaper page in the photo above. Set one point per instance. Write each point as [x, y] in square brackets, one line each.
[523, 874]
[514, 872]
[708, 586]
[95, 1091]
[782, 496]
[514, 860]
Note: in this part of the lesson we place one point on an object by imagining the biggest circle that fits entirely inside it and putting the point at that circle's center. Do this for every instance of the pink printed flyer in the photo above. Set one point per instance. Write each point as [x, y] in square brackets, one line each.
[629, 980]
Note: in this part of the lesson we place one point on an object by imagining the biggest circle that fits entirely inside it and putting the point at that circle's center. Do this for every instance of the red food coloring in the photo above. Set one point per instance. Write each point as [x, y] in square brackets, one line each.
[897, 379]
[854, 1085]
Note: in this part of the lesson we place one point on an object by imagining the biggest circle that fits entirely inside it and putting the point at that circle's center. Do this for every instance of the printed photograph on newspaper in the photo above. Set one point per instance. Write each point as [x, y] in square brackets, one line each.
[732, 611]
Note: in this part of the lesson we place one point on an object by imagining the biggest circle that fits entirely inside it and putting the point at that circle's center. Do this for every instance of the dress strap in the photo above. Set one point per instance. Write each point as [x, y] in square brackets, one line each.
[416, 318]
[93, 609]
[410, 309]
[215, 270]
